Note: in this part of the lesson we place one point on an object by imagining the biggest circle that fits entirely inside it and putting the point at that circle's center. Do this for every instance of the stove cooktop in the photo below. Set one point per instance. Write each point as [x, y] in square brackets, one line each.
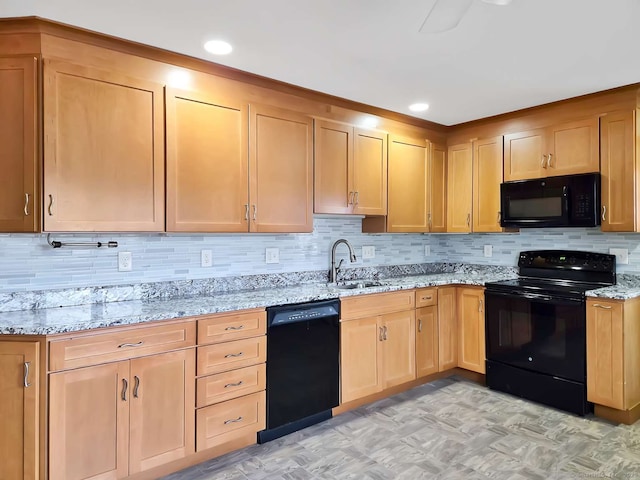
[543, 286]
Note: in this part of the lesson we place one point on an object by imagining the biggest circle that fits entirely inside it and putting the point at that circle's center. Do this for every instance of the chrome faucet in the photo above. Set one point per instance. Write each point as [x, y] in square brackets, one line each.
[333, 273]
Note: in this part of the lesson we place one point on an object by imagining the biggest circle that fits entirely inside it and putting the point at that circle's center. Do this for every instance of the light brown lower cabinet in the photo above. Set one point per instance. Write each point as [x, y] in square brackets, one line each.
[376, 351]
[19, 410]
[447, 329]
[613, 358]
[426, 341]
[113, 420]
[471, 335]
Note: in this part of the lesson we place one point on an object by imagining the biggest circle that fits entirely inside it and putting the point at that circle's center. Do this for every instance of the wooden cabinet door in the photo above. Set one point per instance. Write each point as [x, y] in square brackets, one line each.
[103, 151]
[360, 363]
[370, 172]
[207, 163]
[447, 329]
[459, 187]
[19, 404]
[89, 423]
[333, 167]
[574, 148]
[426, 341]
[280, 170]
[437, 216]
[408, 195]
[525, 154]
[398, 347]
[19, 159]
[605, 353]
[487, 176]
[162, 415]
[617, 169]
[471, 338]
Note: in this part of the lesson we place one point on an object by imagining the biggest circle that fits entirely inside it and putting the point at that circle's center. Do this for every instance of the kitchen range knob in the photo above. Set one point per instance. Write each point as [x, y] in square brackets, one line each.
[530, 359]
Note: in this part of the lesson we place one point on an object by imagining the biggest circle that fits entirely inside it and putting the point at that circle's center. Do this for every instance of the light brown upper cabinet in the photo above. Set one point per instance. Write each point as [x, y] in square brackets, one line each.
[437, 217]
[350, 170]
[557, 150]
[474, 174]
[619, 167]
[103, 150]
[409, 193]
[19, 160]
[280, 170]
[459, 187]
[207, 163]
[487, 176]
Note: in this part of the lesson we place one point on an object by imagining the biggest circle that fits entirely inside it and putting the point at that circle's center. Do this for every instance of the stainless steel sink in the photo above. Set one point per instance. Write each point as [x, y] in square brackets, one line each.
[357, 284]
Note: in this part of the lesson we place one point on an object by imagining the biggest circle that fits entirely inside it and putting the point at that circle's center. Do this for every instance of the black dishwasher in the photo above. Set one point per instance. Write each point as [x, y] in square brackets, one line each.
[303, 365]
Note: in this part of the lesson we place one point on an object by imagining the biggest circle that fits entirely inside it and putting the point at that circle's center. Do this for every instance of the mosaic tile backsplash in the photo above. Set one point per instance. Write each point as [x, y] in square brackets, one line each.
[28, 263]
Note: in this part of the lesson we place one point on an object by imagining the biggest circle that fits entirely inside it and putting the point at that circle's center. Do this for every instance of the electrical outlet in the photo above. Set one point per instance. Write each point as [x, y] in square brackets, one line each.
[125, 262]
[272, 255]
[368, 252]
[427, 250]
[206, 260]
[488, 250]
[622, 255]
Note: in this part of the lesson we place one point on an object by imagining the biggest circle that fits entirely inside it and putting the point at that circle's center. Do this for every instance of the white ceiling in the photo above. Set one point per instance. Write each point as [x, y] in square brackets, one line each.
[498, 59]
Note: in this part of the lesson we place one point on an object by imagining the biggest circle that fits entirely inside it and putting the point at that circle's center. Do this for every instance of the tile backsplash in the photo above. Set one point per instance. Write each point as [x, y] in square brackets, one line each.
[27, 262]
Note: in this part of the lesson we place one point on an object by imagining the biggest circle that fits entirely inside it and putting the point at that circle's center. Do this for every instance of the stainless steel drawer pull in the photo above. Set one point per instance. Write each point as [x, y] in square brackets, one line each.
[229, 355]
[246, 212]
[136, 385]
[606, 307]
[604, 213]
[237, 384]
[427, 297]
[235, 328]
[26, 374]
[235, 420]
[123, 345]
[385, 333]
[125, 384]
[26, 204]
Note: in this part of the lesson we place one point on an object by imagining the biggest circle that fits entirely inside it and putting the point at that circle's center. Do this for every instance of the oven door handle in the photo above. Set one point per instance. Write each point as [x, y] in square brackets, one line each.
[515, 294]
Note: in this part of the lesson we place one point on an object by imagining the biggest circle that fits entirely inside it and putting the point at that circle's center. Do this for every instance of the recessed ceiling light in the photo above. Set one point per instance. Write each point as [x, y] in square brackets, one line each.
[497, 2]
[218, 47]
[419, 107]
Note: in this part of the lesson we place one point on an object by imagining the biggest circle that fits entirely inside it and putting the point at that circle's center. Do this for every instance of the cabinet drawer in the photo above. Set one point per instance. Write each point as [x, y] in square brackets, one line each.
[426, 297]
[225, 386]
[225, 421]
[119, 345]
[222, 328]
[223, 357]
[376, 304]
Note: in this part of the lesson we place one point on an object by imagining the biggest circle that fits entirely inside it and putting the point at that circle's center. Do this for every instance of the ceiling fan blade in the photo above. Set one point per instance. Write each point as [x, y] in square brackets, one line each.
[445, 15]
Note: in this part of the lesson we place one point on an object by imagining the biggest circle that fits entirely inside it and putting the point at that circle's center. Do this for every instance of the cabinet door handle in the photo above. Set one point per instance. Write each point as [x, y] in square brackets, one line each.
[255, 212]
[499, 216]
[356, 198]
[50, 205]
[26, 204]
[235, 328]
[468, 219]
[429, 220]
[123, 345]
[230, 355]
[384, 336]
[544, 161]
[599, 305]
[380, 336]
[237, 384]
[246, 212]
[350, 200]
[235, 420]
[604, 213]
[26, 374]
[125, 384]
[419, 325]
[549, 160]
[136, 385]
[481, 306]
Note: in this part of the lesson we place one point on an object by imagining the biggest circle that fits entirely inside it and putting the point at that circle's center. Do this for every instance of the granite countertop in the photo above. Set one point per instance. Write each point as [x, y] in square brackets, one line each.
[50, 321]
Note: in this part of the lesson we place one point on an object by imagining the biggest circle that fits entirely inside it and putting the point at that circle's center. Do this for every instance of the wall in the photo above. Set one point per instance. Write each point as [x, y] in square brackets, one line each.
[27, 262]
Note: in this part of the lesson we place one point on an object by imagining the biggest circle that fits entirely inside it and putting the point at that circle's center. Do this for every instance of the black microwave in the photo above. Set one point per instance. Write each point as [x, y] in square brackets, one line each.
[565, 201]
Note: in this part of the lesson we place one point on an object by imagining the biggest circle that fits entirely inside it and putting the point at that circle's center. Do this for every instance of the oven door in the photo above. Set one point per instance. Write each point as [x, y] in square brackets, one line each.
[537, 332]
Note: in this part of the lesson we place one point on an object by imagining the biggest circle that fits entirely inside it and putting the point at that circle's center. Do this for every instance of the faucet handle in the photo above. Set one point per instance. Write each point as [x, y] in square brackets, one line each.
[339, 265]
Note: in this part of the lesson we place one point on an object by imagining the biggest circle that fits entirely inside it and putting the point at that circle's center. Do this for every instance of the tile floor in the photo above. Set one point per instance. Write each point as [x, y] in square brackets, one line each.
[447, 429]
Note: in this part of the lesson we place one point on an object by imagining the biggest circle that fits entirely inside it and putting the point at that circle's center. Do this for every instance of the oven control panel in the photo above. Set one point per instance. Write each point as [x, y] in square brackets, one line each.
[567, 260]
